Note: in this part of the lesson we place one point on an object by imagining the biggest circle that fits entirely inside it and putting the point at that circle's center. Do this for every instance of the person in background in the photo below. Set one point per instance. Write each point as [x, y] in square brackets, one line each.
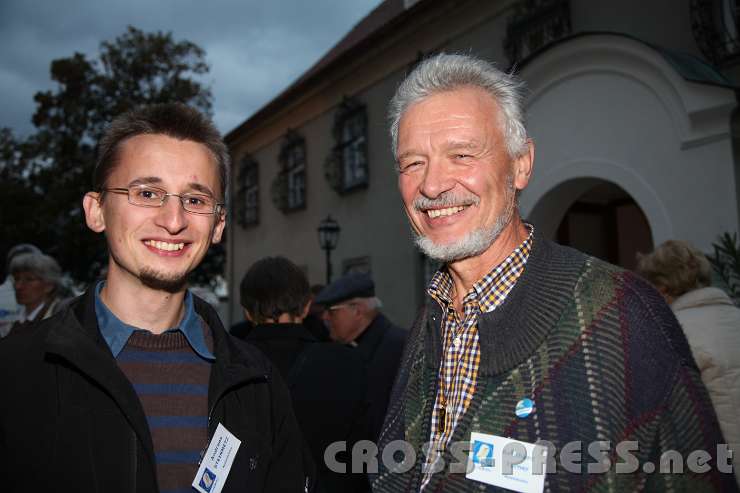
[710, 320]
[37, 279]
[352, 312]
[326, 381]
[9, 307]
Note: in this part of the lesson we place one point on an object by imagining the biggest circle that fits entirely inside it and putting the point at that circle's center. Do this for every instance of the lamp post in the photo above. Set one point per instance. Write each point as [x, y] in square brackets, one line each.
[328, 237]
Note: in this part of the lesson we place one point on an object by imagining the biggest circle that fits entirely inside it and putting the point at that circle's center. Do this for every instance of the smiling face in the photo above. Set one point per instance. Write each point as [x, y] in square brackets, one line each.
[156, 247]
[457, 181]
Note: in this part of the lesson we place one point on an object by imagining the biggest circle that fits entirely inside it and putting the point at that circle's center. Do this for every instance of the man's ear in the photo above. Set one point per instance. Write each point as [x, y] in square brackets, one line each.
[248, 315]
[523, 166]
[218, 228]
[93, 212]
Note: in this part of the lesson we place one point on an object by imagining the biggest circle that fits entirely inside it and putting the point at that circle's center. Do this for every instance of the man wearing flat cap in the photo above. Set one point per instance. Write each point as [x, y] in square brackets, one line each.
[353, 316]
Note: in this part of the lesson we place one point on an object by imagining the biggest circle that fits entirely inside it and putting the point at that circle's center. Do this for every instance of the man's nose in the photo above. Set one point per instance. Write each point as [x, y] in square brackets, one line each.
[438, 178]
[172, 215]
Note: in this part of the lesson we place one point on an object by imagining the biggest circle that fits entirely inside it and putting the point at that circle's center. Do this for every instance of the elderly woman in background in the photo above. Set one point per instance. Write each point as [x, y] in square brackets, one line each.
[37, 283]
[710, 320]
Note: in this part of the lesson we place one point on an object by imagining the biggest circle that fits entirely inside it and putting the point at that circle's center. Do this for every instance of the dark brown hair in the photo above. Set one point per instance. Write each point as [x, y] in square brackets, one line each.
[175, 120]
[273, 286]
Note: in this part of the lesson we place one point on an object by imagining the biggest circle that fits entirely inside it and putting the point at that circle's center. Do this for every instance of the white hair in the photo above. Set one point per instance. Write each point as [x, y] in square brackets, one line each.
[447, 72]
[39, 264]
[372, 303]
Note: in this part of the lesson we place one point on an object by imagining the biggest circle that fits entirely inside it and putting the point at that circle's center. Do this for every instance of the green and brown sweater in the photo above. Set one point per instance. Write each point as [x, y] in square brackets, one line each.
[603, 359]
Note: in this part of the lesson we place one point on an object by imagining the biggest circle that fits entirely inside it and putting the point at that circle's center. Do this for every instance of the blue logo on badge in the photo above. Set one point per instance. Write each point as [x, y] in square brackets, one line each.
[524, 408]
[483, 453]
[207, 480]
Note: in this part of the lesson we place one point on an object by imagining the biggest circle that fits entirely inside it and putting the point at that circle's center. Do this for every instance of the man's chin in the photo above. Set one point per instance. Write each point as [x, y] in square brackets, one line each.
[450, 252]
[471, 245]
[163, 282]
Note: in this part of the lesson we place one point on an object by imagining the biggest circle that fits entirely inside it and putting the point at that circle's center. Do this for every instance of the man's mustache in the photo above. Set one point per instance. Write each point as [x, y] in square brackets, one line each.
[445, 199]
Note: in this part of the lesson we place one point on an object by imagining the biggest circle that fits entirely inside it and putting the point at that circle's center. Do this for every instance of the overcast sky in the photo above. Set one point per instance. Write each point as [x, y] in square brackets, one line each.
[255, 48]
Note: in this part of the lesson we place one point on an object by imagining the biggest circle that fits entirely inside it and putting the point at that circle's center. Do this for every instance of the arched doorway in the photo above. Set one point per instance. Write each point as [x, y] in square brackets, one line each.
[597, 217]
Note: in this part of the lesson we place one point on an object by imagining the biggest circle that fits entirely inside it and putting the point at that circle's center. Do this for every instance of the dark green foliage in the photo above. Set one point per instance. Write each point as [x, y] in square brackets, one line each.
[44, 178]
[726, 263]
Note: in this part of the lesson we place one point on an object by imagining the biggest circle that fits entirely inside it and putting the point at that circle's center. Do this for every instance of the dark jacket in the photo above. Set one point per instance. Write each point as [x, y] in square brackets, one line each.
[71, 421]
[327, 383]
[381, 345]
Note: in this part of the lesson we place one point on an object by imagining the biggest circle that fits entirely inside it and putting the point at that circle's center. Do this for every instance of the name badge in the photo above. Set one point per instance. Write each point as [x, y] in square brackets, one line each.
[216, 463]
[511, 464]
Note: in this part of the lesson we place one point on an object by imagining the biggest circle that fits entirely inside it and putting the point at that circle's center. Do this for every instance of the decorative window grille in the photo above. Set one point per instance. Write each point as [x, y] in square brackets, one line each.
[289, 187]
[534, 25]
[346, 167]
[715, 27]
[247, 193]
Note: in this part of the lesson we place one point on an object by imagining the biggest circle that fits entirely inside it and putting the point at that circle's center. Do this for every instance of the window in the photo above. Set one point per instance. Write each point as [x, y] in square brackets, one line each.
[346, 167]
[534, 25]
[289, 187]
[247, 193]
[715, 27]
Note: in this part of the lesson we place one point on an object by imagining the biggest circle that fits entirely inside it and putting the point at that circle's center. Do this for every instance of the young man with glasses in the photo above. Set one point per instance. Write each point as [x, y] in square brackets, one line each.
[125, 389]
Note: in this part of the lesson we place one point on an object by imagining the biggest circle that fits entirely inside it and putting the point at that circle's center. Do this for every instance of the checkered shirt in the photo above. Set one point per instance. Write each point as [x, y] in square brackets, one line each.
[458, 372]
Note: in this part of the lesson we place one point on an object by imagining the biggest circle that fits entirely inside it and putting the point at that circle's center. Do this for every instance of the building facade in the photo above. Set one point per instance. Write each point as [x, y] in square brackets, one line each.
[630, 104]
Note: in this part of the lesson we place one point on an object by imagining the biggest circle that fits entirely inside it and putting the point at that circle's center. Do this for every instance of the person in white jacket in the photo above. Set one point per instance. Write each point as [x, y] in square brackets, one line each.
[711, 322]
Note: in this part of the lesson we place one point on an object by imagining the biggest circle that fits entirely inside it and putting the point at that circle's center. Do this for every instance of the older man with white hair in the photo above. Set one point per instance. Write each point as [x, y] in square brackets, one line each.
[524, 341]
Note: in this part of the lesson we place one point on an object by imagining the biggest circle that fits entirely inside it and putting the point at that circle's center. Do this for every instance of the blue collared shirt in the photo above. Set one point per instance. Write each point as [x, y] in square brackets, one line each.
[116, 333]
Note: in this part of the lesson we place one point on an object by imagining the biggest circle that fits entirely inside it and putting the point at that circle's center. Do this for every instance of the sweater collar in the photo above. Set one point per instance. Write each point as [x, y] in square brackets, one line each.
[511, 333]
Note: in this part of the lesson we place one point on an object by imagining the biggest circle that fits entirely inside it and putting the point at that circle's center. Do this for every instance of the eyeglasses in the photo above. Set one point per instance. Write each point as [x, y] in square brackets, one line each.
[148, 196]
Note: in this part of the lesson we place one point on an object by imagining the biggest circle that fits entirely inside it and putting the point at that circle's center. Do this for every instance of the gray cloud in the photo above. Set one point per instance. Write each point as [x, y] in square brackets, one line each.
[255, 48]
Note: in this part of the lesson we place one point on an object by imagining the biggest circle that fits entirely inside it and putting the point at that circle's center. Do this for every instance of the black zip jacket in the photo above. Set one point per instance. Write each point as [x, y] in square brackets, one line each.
[71, 421]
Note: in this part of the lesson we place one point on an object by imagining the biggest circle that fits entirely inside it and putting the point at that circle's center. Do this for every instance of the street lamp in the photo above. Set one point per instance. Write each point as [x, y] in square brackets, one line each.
[328, 237]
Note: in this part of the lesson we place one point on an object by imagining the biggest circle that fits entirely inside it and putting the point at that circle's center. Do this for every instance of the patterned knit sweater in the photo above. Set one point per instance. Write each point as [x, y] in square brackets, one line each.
[599, 353]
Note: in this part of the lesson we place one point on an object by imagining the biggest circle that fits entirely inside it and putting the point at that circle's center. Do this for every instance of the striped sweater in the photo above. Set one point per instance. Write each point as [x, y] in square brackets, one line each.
[171, 381]
[599, 353]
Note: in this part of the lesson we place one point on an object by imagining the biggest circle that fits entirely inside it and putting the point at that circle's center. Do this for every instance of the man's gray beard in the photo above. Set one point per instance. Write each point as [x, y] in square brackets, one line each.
[474, 243]
[156, 280]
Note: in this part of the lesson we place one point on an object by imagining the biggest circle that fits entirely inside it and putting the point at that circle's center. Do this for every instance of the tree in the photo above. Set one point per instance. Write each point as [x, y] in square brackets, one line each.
[134, 69]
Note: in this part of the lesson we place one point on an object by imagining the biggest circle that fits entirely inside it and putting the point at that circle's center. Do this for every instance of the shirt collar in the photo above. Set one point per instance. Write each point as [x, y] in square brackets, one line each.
[441, 286]
[30, 316]
[116, 333]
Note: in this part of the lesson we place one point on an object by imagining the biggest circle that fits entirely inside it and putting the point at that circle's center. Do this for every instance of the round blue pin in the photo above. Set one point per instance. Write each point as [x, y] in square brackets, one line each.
[524, 408]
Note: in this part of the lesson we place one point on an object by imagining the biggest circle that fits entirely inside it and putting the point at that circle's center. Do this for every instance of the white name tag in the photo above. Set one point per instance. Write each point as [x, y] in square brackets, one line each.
[511, 464]
[216, 463]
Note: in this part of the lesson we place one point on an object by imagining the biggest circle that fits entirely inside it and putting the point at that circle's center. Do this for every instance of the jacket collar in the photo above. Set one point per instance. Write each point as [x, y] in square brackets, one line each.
[512, 332]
